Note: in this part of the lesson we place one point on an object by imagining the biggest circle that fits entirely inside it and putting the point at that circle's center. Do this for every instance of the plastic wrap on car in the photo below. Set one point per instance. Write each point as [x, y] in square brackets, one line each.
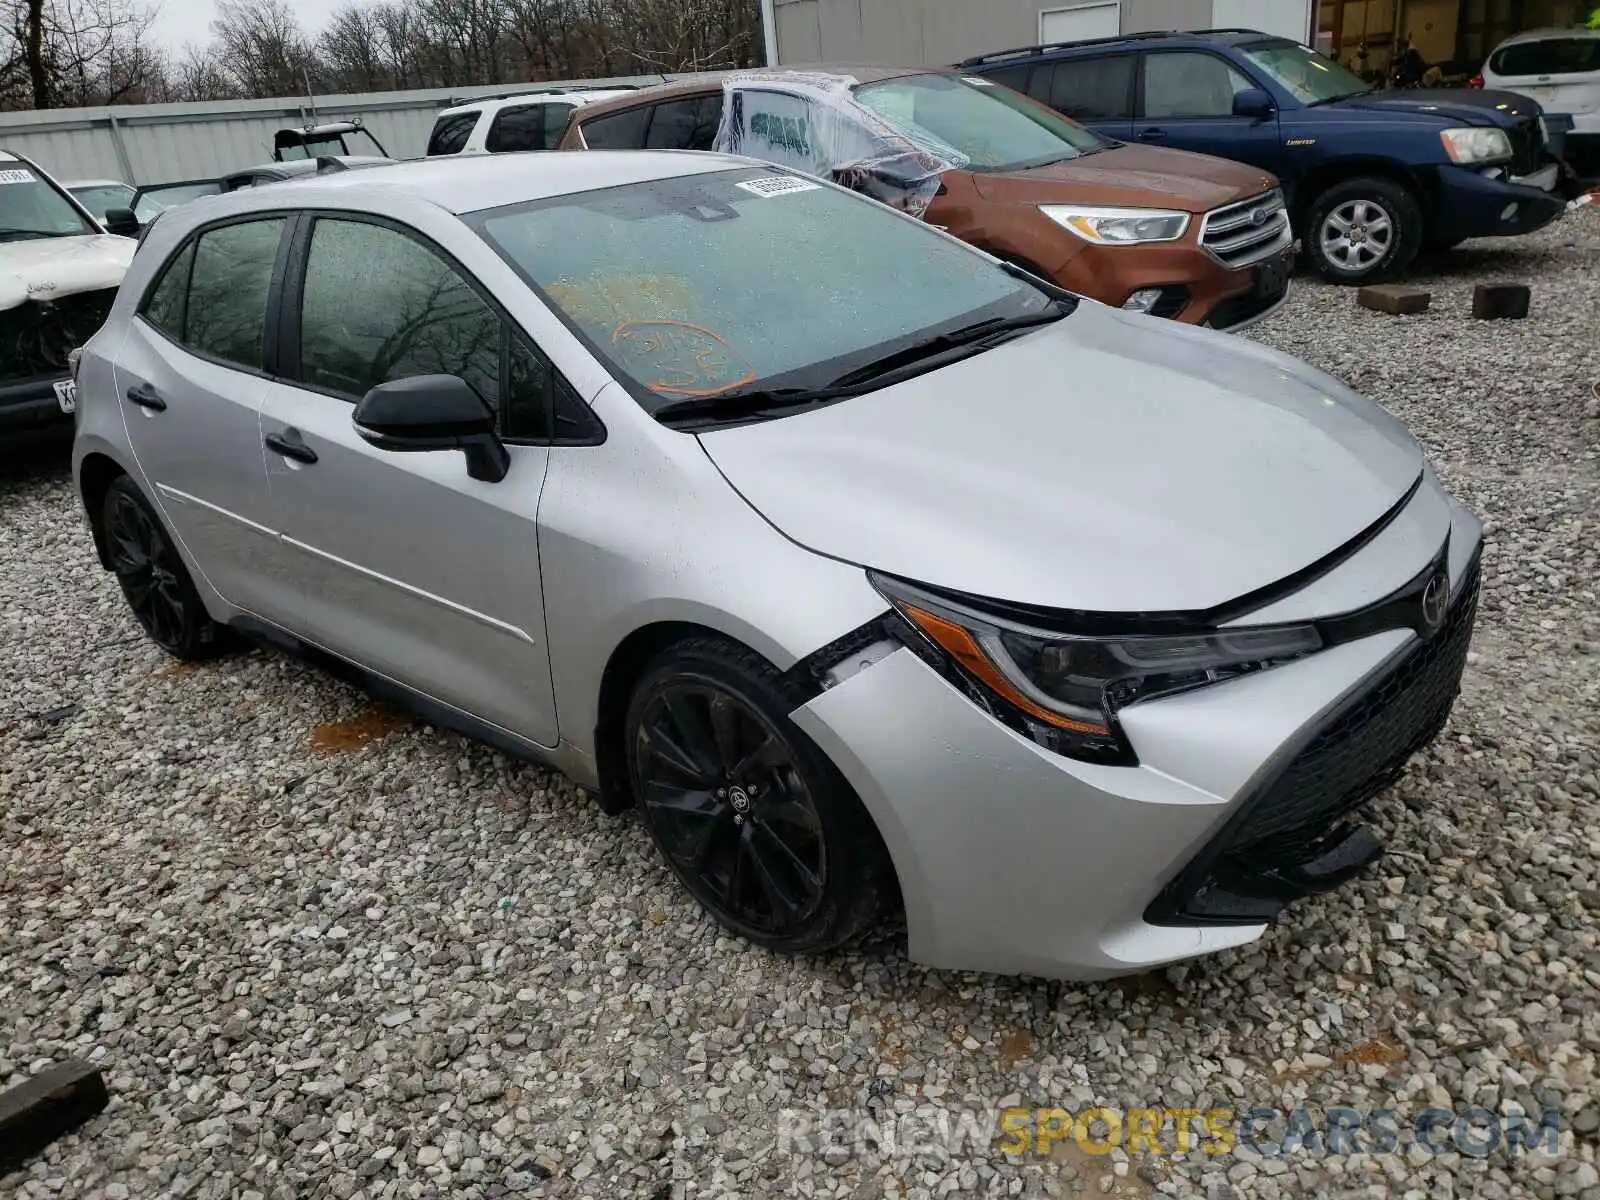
[831, 135]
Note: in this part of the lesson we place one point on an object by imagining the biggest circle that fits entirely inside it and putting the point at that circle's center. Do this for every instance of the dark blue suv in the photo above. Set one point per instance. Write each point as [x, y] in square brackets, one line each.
[1372, 178]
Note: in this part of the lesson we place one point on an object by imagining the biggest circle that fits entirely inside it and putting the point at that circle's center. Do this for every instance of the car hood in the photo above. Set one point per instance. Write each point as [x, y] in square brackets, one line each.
[48, 268]
[1456, 106]
[1111, 463]
[1137, 176]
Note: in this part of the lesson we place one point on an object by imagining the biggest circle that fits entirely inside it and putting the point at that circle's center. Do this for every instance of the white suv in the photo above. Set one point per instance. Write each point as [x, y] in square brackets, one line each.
[1560, 68]
[497, 124]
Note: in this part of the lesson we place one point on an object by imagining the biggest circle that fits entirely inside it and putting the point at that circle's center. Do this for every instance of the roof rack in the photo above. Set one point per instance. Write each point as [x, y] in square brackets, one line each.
[1021, 53]
[556, 90]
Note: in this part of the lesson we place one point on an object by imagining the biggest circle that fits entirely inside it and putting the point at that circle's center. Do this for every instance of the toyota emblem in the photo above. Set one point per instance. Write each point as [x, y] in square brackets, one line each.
[1435, 599]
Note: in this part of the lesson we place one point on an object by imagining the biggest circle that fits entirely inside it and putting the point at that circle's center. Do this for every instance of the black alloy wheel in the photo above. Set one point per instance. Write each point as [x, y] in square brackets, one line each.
[748, 813]
[152, 575]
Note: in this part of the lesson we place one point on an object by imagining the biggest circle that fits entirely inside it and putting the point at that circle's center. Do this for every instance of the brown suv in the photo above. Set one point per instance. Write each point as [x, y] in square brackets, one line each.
[1179, 235]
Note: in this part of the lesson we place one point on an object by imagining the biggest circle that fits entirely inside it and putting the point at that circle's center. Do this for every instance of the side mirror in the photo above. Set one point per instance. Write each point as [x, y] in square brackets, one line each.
[1253, 103]
[121, 222]
[434, 412]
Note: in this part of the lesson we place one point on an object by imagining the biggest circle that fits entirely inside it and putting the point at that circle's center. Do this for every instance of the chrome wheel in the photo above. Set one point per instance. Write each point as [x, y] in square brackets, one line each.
[1356, 235]
[721, 791]
[148, 569]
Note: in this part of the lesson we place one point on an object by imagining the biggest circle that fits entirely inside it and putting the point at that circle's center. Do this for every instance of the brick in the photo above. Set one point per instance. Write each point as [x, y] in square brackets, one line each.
[53, 1102]
[1500, 301]
[1393, 298]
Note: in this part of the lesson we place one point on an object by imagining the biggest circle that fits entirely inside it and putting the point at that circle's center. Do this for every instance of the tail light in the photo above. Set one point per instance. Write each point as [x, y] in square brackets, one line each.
[1475, 82]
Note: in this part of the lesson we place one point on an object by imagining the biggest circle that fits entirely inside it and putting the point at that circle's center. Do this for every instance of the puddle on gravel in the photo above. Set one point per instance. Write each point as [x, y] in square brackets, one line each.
[371, 724]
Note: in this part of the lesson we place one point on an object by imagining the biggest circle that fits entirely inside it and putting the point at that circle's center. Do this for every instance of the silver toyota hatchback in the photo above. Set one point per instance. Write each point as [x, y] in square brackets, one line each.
[871, 572]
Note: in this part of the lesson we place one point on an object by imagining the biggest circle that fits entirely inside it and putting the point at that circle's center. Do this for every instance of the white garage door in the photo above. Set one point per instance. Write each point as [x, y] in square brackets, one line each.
[1080, 21]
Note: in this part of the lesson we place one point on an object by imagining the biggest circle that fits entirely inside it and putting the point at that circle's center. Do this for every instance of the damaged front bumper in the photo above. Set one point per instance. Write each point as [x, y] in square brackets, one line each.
[37, 338]
[1016, 860]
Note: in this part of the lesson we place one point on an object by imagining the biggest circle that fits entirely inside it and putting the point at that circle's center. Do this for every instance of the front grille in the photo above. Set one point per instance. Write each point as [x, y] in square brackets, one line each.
[1246, 232]
[37, 335]
[1527, 147]
[1360, 750]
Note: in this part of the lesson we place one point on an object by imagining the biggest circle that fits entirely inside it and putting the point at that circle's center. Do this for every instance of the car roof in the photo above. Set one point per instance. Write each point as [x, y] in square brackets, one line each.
[1542, 35]
[1203, 37]
[712, 81]
[470, 183]
[578, 96]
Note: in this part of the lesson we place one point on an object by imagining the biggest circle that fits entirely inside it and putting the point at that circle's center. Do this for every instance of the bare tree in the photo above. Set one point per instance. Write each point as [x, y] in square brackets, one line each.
[77, 52]
[262, 48]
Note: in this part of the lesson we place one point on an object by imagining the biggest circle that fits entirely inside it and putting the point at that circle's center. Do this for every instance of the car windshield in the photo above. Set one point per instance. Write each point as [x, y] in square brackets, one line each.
[1309, 77]
[152, 202]
[31, 207]
[734, 281]
[991, 127]
[101, 198]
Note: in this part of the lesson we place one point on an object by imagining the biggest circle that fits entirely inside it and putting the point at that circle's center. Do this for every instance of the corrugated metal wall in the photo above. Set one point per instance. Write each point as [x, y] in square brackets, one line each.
[164, 143]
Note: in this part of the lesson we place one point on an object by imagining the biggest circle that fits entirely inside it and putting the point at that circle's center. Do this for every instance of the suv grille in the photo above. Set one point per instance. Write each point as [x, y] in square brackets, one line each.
[1527, 147]
[1246, 232]
[37, 335]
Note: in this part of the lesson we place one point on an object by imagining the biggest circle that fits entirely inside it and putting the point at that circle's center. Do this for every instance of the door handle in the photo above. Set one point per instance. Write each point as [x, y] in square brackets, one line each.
[146, 396]
[1151, 134]
[290, 444]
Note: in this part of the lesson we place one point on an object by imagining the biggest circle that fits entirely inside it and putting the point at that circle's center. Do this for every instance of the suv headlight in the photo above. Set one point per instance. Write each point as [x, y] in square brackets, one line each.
[1064, 690]
[1118, 226]
[1475, 145]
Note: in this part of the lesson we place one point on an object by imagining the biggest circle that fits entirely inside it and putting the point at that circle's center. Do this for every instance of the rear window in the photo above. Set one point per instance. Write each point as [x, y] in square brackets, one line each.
[527, 127]
[1553, 56]
[450, 133]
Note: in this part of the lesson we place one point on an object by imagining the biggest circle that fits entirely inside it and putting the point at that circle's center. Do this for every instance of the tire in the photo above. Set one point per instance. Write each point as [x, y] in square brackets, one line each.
[750, 815]
[153, 578]
[1374, 208]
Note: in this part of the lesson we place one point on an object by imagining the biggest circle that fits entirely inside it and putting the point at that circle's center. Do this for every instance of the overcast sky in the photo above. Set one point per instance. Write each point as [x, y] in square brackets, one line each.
[183, 21]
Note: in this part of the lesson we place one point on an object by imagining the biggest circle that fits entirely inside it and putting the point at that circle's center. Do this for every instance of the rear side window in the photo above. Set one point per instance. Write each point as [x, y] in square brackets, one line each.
[1088, 88]
[556, 117]
[1553, 56]
[163, 308]
[617, 131]
[450, 133]
[225, 312]
[526, 127]
[685, 124]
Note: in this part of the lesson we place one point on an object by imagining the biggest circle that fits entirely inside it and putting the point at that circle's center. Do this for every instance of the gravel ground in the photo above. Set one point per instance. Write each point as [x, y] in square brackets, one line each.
[321, 951]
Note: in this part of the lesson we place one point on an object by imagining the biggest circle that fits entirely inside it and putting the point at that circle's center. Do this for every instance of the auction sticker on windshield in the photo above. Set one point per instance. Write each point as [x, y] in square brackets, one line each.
[776, 185]
[16, 177]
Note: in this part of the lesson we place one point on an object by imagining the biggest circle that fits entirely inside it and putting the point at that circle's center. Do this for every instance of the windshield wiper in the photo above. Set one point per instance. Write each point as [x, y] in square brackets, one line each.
[1366, 91]
[980, 335]
[32, 233]
[907, 361]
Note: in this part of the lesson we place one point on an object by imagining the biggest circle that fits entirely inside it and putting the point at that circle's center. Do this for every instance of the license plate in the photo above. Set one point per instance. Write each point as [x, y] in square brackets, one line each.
[1272, 276]
[67, 395]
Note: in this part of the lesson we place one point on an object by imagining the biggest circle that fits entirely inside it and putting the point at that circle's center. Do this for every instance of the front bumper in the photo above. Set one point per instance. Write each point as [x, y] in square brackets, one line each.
[1015, 860]
[1469, 204]
[29, 407]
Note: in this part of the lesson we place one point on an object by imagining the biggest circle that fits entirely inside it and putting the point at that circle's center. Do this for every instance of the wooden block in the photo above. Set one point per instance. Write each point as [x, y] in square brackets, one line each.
[1500, 301]
[1393, 298]
[53, 1102]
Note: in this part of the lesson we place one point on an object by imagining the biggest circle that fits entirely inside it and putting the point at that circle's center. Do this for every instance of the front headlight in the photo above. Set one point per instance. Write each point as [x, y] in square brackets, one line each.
[1064, 690]
[1118, 226]
[1475, 145]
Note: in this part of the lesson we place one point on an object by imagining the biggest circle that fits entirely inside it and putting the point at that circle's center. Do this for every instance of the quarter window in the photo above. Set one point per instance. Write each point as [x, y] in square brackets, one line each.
[450, 133]
[1190, 85]
[225, 315]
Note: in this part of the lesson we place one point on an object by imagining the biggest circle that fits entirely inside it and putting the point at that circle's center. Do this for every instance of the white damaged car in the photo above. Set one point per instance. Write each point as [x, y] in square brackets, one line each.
[59, 272]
